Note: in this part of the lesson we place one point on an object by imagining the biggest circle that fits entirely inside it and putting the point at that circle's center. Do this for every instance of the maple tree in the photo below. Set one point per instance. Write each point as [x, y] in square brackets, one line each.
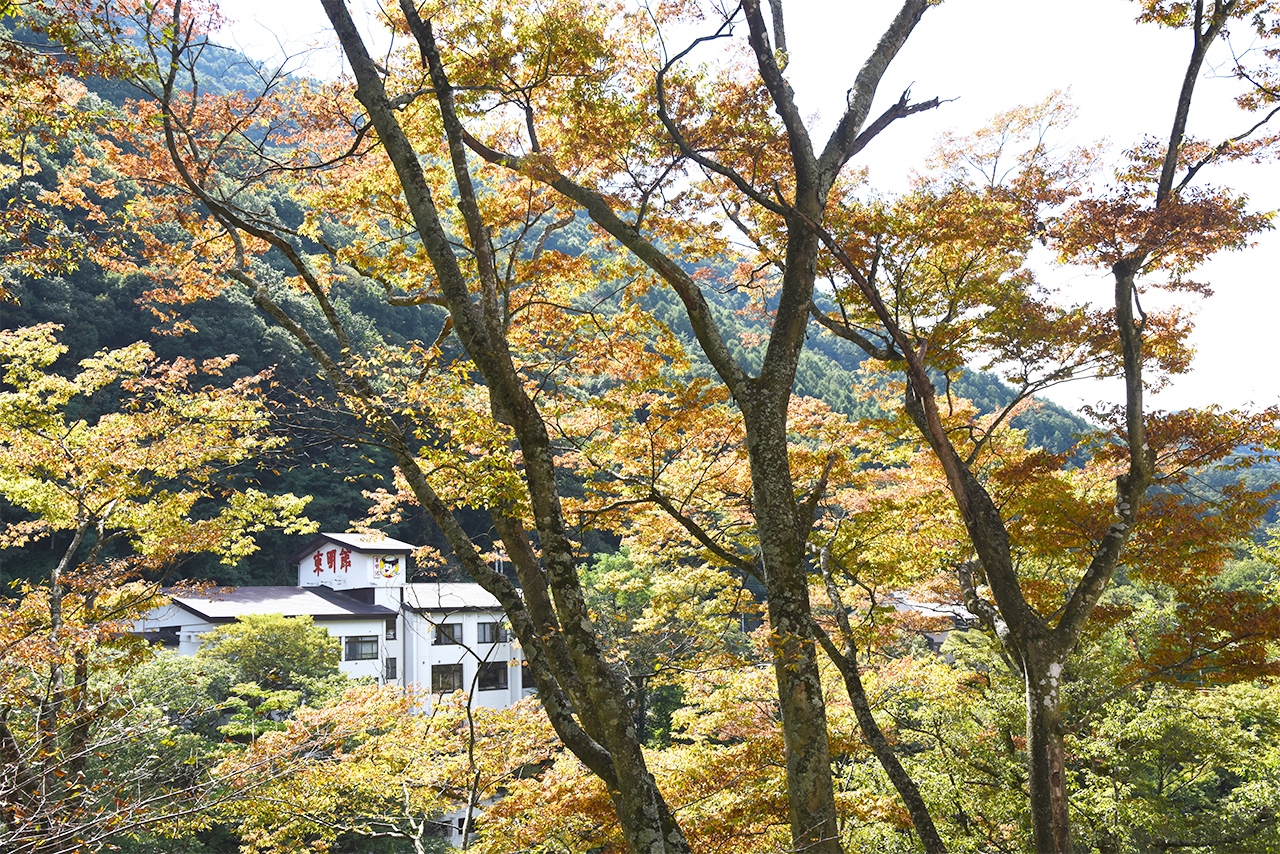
[885, 528]
[721, 769]
[53, 210]
[372, 765]
[563, 128]
[548, 613]
[678, 487]
[926, 295]
[1151, 763]
[94, 476]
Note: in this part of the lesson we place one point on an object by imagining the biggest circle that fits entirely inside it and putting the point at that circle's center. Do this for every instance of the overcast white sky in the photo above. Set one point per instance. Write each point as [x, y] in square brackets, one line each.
[989, 56]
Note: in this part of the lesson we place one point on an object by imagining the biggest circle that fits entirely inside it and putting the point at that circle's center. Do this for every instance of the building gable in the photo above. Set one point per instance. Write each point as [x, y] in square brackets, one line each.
[352, 562]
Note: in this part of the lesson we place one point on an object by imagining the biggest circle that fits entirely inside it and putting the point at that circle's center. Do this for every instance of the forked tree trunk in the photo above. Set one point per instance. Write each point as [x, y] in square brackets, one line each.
[611, 745]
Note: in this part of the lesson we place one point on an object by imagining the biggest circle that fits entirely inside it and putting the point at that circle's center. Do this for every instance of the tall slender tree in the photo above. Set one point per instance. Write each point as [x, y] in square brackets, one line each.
[939, 299]
[566, 75]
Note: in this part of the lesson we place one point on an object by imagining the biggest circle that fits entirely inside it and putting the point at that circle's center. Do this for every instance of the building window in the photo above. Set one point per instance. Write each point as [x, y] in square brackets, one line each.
[361, 649]
[391, 629]
[446, 678]
[493, 633]
[493, 676]
[389, 672]
[448, 633]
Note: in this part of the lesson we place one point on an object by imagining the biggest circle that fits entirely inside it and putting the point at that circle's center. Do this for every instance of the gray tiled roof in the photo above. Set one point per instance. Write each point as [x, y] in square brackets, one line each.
[439, 596]
[230, 603]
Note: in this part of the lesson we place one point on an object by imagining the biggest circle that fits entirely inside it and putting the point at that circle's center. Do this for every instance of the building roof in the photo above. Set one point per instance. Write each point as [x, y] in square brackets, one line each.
[440, 596]
[957, 613]
[364, 543]
[319, 602]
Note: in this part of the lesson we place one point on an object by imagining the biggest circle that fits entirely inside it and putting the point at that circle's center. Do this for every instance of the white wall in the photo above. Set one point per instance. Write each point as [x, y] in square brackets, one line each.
[191, 628]
[413, 648]
[375, 628]
[342, 568]
[424, 653]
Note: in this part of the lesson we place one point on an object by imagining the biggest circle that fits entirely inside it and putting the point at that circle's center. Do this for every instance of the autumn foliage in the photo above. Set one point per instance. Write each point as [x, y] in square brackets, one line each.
[533, 180]
[120, 452]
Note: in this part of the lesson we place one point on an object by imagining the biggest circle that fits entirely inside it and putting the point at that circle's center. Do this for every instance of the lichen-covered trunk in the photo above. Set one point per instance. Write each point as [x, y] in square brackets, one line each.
[804, 718]
[1046, 756]
[610, 743]
[1029, 640]
[794, 650]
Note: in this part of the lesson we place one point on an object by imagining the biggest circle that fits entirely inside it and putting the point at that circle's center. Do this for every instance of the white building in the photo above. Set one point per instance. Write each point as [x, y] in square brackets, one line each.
[456, 638]
[368, 633]
[437, 637]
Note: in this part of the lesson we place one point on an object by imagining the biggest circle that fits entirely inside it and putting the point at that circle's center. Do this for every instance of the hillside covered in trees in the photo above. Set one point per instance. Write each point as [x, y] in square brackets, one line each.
[601, 322]
[99, 308]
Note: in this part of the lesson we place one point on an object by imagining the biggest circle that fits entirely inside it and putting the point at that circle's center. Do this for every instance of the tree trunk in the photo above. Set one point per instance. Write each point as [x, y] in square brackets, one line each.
[801, 704]
[846, 662]
[811, 794]
[598, 692]
[1046, 760]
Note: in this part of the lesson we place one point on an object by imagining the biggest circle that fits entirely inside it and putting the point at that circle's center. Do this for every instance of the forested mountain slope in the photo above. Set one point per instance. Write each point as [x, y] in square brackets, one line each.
[101, 309]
